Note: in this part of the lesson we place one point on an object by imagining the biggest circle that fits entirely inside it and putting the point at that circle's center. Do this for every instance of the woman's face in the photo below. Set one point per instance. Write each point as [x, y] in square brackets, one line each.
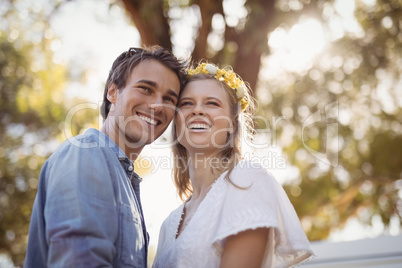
[204, 120]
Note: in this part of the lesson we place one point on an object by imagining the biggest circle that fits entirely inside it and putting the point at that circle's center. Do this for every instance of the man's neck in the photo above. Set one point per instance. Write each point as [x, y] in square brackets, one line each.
[126, 146]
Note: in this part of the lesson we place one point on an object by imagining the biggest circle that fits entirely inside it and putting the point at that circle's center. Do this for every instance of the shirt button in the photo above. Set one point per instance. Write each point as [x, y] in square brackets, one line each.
[130, 168]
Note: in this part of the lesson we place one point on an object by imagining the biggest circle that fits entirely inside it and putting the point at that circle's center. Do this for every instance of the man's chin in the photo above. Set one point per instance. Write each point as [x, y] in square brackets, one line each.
[133, 142]
[138, 139]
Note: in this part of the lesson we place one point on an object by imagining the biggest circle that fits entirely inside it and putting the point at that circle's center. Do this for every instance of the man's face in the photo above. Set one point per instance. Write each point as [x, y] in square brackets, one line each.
[143, 109]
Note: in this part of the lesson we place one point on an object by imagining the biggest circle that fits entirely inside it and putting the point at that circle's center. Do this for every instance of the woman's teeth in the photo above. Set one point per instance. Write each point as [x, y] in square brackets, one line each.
[198, 126]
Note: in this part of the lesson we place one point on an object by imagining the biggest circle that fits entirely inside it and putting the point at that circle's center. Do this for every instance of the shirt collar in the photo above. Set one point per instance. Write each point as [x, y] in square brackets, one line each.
[106, 141]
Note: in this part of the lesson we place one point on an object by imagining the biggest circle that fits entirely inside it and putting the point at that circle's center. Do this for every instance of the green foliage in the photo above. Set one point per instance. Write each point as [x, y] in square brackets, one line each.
[28, 115]
[32, 113]
[364, 179]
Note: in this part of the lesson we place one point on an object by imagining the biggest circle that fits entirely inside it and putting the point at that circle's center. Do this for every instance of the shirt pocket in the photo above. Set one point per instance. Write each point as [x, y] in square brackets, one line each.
[132, 245]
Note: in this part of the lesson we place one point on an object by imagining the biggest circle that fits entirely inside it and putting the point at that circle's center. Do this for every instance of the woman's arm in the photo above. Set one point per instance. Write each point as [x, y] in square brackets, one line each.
[245, 249]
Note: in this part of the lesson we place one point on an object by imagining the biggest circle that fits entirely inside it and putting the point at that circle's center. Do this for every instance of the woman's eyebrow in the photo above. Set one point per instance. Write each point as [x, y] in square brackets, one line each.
[214, 98]
[184, 98]
[208, 98]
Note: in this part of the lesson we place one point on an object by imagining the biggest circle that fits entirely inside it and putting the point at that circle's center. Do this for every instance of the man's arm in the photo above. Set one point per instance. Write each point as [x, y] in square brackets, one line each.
[80, 212]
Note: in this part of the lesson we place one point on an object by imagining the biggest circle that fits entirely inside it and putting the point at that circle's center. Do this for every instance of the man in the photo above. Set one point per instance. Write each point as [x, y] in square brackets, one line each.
[87, 212]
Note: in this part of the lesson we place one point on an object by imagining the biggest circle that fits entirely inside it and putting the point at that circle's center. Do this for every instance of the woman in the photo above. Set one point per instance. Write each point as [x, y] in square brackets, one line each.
[235, 213]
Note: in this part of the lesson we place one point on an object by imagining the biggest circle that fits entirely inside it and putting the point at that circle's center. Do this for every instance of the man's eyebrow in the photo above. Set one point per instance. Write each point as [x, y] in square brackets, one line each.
[154, 84]
[148, 82]
[172, 93]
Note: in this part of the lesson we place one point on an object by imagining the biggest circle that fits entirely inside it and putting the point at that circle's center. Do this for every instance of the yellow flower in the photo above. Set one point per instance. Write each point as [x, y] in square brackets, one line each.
[226, 76]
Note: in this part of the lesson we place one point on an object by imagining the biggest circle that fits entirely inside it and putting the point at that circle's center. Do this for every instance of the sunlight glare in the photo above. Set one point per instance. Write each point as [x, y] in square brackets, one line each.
[345, 8]
[369, 3]
[183, 25]
[234, 11]
[296, 49]
[309, 36]
[94, 54]
[346, 21]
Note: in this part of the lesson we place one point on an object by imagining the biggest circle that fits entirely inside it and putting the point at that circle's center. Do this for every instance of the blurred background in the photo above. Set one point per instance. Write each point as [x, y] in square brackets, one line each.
[326, 74]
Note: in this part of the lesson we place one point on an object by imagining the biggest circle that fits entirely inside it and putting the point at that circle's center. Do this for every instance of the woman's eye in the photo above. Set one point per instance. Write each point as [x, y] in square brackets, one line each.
[213, 103]
[185, 103]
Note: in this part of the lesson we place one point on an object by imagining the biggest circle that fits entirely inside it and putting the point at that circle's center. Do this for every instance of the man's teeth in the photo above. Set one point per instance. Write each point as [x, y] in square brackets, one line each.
[198, 126]
[148, 120]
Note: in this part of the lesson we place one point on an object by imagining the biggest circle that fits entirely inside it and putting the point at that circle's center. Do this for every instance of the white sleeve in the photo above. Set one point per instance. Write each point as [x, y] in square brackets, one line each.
[262, 203]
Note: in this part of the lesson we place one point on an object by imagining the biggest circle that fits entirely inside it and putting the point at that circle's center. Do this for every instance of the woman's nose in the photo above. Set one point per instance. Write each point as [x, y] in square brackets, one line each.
[198, 110]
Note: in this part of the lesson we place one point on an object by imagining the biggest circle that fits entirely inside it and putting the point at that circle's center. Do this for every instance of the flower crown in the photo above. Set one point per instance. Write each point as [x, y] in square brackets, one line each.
[227, 76]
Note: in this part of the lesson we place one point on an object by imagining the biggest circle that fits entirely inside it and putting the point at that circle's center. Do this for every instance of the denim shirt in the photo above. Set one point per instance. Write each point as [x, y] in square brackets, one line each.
[87, 211]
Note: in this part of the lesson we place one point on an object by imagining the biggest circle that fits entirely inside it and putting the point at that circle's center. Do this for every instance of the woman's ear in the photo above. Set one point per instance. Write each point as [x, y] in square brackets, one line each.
[233, 126]
[112, 93]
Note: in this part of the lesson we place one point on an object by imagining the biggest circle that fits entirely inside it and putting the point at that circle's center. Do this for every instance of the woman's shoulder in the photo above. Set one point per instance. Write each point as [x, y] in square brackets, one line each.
[250, 171]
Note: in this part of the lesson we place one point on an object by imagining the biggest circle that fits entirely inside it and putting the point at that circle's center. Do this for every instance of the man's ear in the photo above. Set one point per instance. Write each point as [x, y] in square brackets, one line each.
[112, 93]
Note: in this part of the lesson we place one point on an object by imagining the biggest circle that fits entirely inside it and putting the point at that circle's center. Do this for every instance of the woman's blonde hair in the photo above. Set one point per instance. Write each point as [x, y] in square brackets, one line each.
[231, 154]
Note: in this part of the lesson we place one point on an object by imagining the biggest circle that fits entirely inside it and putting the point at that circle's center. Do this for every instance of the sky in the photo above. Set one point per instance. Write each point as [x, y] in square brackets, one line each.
[92, 36]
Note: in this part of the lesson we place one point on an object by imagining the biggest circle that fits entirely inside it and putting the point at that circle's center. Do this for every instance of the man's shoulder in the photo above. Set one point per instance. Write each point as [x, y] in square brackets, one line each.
[91, 138]
[91, 142]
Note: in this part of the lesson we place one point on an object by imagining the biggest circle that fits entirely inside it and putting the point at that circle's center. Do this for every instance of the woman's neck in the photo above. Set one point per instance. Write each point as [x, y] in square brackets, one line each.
[203, 171]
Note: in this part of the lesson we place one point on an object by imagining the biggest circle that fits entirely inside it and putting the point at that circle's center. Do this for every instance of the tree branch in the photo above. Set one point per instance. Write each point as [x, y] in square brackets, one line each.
[208, 9]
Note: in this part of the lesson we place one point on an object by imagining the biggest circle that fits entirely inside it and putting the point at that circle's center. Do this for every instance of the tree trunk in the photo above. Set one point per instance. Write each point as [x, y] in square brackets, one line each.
[153, 25]
[253, 40]
[148, 17]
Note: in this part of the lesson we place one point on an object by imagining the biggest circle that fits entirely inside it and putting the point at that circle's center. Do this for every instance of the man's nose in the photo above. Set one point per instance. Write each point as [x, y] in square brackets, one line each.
[156, 104]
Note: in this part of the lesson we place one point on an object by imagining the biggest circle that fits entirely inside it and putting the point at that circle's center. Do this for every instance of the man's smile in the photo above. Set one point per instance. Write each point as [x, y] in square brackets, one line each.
[149, 120]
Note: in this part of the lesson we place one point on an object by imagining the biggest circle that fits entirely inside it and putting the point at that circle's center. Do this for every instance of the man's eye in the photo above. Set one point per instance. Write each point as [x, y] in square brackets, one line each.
[144, 88]
[169, 99]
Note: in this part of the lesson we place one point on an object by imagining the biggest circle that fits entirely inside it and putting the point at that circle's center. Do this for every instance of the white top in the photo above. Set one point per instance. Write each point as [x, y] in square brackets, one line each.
[227, 210]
